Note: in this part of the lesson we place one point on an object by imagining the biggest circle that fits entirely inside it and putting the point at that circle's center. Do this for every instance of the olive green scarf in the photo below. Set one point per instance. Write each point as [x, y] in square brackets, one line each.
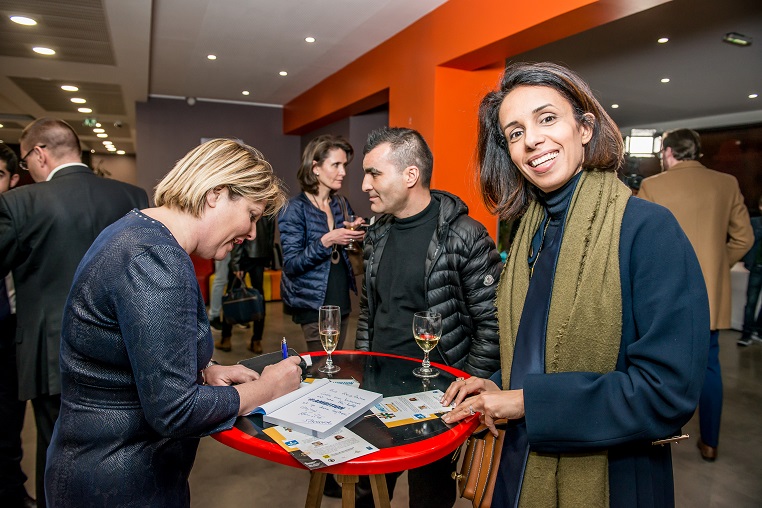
[584, 324]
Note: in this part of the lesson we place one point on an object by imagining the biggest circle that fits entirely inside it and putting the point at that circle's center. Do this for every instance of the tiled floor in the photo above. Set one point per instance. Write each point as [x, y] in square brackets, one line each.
[225, 477]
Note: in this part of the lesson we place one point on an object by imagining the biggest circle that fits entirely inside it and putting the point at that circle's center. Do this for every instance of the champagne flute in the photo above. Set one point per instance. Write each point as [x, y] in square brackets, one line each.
[427, 329]
[350, 219]
[329, 325]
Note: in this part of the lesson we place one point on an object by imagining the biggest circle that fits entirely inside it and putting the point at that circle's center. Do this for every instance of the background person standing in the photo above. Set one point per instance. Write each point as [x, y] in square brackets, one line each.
[45, 229]
[710, 209]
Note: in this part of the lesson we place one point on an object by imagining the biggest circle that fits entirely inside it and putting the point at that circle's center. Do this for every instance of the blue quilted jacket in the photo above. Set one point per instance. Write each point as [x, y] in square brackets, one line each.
[306, 262]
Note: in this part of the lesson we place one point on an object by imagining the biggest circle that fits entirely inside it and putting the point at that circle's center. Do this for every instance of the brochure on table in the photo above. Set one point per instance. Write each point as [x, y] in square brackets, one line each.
[315, 452]
[407, 409]
[318, 408]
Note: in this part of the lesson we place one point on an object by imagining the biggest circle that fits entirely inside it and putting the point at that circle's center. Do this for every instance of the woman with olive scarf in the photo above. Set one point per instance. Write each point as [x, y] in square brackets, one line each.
[602, 307]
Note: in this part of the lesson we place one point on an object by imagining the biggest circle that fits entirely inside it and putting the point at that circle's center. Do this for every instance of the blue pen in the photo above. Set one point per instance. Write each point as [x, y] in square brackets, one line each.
[284, 348]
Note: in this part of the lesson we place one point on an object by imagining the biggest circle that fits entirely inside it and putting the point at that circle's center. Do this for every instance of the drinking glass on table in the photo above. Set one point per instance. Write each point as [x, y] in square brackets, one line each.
[350, 224]
[427, 329]
[329, 324]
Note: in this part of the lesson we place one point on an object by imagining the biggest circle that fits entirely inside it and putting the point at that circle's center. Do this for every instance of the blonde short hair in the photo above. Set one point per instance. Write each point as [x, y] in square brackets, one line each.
[218, 163]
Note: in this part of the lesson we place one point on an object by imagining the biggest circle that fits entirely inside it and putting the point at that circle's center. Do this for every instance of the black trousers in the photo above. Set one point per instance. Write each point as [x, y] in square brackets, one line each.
[46, 409]
[12, 410]
[430, 486]
[255, 267]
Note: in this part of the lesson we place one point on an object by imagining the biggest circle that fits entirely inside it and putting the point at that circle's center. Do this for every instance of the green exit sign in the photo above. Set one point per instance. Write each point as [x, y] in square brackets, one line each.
[90, 122]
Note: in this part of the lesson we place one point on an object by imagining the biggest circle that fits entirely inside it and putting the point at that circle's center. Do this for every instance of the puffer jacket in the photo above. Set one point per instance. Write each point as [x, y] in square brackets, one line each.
[306, 261]
[462, 271]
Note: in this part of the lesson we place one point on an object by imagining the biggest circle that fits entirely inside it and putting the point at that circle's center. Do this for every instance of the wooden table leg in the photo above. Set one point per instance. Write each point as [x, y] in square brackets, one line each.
[380, 490]
[348, 484]
[315, 490]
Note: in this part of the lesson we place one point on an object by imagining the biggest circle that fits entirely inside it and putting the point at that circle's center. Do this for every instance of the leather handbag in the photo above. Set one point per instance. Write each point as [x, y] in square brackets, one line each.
[478, 471]
[242, 304]
[355, 255]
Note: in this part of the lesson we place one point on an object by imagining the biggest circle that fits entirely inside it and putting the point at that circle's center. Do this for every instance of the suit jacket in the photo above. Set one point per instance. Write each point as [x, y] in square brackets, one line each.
[45, 230]
[710, 209]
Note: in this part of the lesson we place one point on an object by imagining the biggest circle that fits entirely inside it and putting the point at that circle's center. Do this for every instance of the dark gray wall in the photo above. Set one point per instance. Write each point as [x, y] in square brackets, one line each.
[167, 129]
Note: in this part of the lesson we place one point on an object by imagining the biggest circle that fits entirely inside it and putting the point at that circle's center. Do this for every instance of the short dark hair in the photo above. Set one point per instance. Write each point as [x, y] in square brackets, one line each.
[504, 189]
[685, 144]
[9, 157]
[57, 136]
[408, 149]
[317, 150]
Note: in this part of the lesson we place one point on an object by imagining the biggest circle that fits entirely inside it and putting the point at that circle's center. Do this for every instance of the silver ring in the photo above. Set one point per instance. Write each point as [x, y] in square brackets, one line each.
[471, 410]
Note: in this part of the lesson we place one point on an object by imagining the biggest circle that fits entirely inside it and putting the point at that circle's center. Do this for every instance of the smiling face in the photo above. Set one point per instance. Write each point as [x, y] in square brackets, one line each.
[544, 139]
[228, 219]
[331, 172]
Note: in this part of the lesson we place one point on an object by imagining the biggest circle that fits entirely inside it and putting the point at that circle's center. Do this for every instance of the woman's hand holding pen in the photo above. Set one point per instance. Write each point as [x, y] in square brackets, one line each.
[491, 402]
[276, 380]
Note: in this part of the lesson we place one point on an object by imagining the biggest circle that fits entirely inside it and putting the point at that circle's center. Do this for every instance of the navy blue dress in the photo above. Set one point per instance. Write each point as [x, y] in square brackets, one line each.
[135, 338]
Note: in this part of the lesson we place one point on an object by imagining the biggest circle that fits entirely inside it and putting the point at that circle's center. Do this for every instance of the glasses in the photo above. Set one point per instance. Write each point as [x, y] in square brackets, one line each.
[22, 161]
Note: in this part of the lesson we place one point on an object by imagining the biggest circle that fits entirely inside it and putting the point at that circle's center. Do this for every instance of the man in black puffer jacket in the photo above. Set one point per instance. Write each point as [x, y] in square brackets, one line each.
[425, 253]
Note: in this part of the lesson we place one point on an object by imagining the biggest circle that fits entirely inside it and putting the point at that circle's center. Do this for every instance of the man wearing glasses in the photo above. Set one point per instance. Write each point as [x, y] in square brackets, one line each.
[45, 230]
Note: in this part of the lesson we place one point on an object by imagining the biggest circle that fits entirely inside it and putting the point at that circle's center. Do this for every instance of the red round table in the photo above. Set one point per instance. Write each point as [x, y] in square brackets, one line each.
[400, 448]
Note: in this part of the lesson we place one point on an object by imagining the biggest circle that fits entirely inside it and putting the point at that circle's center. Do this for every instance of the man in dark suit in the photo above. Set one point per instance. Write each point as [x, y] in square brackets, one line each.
[12, 477]
[45, 230]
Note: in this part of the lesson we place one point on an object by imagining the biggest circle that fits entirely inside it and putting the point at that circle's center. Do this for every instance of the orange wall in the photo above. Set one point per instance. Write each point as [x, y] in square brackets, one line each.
[429, 75]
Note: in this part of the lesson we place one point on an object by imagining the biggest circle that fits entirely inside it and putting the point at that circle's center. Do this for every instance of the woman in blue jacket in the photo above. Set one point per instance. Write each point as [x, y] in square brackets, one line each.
[316, 269]
[602, 309]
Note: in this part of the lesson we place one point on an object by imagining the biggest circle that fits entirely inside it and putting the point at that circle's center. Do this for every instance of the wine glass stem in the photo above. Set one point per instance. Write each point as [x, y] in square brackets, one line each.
[329, 361]
[426, 364]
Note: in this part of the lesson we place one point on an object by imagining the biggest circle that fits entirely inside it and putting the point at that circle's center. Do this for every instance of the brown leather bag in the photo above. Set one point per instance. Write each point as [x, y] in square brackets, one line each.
[478, 471]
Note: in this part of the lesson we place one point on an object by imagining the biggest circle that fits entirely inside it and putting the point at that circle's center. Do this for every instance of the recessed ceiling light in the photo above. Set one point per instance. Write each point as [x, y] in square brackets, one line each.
[92, 150]
[78, 100]
[111, 149]
[614, 106]
[283, 73]
[120, 152]
[108, 142]
[84, 110]
[102, 135]
[98, 130]
[98, 124]
[43, 51]
[23, 20]
[309, 39]
[1, 126]
[245, 92]
[662, 40]
[212, 57]
[69, 88]
[665, 80]
[753, 95]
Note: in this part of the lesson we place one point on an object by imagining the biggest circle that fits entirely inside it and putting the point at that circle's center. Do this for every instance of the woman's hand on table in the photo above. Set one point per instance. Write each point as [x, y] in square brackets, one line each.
[490, 401]
[226, 375]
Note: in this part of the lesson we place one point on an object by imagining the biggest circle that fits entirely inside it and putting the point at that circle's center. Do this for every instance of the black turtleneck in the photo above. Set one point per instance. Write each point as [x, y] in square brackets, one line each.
[400, 286]
[555, 203]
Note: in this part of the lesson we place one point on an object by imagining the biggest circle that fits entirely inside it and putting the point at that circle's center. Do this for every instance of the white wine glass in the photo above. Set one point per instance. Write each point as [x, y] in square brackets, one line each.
[329, 324]
[427, 329]
[350, 219]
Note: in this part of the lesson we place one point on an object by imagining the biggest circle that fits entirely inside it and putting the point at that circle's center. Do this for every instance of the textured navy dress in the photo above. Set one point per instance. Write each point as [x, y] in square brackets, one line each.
[135, 338]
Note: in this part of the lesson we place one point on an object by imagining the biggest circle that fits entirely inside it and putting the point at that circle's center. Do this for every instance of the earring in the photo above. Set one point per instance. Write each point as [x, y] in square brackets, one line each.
[317, 173]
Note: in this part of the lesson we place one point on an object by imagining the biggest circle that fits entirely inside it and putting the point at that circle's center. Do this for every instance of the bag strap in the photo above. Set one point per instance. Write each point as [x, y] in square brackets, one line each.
[237, 281]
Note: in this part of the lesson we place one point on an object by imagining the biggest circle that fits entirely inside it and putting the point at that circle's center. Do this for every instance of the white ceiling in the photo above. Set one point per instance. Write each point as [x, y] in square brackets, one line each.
[123, 51]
